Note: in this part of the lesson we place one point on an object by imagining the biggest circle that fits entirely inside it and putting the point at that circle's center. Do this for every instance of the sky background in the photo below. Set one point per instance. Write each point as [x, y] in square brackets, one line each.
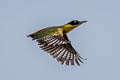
[98, 40]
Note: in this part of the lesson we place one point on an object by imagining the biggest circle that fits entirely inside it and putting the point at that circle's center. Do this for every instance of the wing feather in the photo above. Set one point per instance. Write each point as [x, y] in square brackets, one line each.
[60, 48]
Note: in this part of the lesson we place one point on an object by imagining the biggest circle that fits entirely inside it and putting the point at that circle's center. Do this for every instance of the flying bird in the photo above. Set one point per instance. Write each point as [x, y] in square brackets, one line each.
[54, 40]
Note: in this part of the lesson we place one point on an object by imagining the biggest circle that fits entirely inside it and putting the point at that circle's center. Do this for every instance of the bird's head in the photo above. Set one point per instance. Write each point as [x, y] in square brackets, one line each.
[71, 25]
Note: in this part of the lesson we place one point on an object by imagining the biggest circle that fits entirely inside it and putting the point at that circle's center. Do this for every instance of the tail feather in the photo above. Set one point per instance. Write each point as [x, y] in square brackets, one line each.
[32, 36]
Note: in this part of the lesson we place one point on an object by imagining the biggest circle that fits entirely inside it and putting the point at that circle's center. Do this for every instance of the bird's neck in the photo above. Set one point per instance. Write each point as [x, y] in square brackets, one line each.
[68, 28]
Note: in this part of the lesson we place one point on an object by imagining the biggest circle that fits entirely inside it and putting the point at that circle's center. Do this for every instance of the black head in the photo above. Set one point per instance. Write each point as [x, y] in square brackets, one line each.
[75, 22]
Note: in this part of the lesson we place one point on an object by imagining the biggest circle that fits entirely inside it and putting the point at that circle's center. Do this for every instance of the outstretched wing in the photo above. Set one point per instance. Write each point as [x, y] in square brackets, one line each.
[60, 48]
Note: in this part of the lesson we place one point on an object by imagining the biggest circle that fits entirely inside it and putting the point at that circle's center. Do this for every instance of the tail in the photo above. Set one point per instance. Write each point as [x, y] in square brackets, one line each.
[32, 36]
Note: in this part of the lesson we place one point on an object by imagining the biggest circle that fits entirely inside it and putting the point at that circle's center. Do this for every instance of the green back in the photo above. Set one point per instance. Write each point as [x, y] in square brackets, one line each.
[50, 31]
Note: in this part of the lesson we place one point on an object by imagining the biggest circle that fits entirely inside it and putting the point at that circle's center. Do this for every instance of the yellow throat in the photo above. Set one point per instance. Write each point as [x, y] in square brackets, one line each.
[68, 28]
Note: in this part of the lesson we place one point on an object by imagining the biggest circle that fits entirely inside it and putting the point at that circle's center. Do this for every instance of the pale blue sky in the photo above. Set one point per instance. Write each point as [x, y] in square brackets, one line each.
[98, 40]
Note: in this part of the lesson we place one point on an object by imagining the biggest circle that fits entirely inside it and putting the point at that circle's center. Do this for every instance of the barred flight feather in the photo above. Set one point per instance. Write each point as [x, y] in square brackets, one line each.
[60, 48]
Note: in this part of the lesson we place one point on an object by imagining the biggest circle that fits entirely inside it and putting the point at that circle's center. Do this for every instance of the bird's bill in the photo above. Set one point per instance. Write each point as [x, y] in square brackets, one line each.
[83, 22]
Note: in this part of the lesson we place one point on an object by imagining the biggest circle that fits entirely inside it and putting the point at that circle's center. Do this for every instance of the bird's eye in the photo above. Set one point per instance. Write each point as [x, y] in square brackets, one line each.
[74, 22]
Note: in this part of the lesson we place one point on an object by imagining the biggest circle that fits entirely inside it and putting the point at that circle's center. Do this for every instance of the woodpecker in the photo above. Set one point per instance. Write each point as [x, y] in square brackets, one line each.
[54, 40]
